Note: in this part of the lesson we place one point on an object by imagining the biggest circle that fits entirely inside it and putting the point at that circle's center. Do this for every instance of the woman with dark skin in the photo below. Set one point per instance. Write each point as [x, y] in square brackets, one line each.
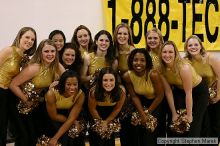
[146, 90]
[64, 104]
[105, 102]
[154, 41]
[10, 59]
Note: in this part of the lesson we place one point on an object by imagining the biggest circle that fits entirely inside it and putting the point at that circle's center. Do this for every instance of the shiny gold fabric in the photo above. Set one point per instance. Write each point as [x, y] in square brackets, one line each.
[142, 86]
[10, 68]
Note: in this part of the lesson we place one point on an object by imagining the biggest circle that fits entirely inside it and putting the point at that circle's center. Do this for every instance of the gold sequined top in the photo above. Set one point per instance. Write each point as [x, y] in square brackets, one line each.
[155, 60]
[83, 53]
[107, 101]
[141, 85]
[204, 69]
[122, 60]
[96, 63]
[44, 78]
[10, 68]
[174, 78]
[65, 102]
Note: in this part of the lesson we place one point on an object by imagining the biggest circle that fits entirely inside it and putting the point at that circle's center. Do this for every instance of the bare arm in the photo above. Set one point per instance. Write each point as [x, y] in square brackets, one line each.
[5, 54]
[134, 97]
[51, 107]
[169, 97]
[158, 88]
[26, 74]
[186, 76]
[215, 64]
[92, 104]
[117, 107]
[75, 111]
[84, 77]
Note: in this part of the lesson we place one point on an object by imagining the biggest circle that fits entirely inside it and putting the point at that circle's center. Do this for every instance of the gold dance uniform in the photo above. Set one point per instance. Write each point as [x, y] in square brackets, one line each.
[10, 68]
[122, 60]
[96, 63]
[65, 102]
[205, 70]
[83, 52]
[174, 78]
[142, 86]
[155, 60]
[44, 78]
[107, 101]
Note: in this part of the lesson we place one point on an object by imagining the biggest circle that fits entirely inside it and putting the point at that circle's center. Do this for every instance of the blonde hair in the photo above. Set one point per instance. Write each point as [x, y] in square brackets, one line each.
[178, 61]
[202, 51]
[130, 39]
[156, 30]
[38, 58]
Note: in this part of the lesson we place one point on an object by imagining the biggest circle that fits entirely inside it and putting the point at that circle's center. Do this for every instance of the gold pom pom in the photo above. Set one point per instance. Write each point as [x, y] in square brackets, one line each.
[77, 128]
[44, 141]
[151, 123]
[113, 126]
[181, 125]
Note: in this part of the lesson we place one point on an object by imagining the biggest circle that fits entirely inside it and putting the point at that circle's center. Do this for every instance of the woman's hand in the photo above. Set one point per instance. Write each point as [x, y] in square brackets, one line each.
[215, 99]
[189, 118]
[52, 142]
[175, 117]
[104, 125]
[53, 84]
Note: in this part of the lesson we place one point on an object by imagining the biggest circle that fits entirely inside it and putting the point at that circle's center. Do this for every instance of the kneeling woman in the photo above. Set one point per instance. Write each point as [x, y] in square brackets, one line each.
[105, 102]
[64, 105]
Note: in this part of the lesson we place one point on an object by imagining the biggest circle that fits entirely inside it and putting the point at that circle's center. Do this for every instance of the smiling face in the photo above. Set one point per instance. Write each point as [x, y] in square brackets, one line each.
[193, 47]
[108, 82]
[168, 54]
[48, 54]
[122, 36]
[83, 38]
[139, 63]
[71, 86]
[153, 40]
[103, 43]
[68, 56]
[27, 40]
[58, 41]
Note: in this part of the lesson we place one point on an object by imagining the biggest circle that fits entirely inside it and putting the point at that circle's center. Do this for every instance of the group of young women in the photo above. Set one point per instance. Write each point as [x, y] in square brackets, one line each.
[89, 84]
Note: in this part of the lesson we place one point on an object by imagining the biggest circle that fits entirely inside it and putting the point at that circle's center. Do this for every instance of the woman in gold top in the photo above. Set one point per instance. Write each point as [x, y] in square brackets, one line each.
[105, 102]
[42, 70]
[154, 41]
[189, 91]
[103, 56]
[82, 39]
[64, 104]
[208, 66]
[10, 59]
[146, 90]
[123, 45]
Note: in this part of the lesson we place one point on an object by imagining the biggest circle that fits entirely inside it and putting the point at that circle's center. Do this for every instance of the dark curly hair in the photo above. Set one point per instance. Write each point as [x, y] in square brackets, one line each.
[149, 63]
[67, 74]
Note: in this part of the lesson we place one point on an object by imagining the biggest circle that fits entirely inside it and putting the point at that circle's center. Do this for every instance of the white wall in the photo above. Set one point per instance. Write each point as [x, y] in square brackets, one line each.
[47, 15]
